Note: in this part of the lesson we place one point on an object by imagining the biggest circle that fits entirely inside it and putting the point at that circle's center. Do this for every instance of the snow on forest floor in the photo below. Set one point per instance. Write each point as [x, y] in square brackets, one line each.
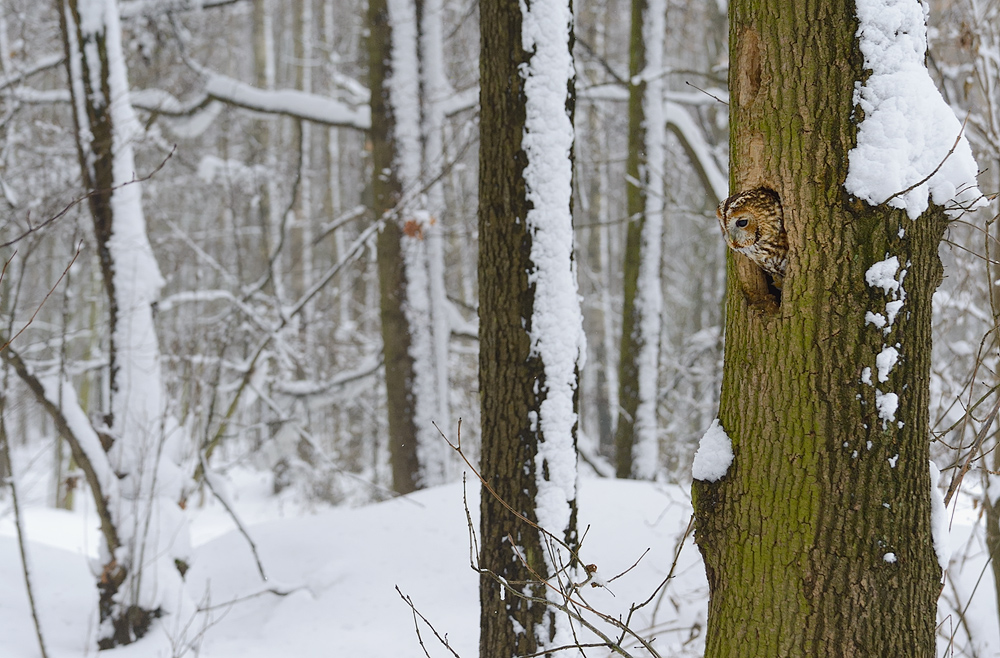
[339, 568]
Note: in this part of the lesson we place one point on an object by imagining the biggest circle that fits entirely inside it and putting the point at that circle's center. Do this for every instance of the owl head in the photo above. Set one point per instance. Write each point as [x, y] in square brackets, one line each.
[746, 216]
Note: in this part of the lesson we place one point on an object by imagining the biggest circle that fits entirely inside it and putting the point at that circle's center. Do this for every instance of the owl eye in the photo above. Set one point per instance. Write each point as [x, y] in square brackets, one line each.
[741, 223]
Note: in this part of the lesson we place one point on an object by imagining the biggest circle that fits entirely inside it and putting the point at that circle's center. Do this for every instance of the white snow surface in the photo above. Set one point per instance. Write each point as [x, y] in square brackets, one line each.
[715, 454]
[908, 129]
[883, 275]
[340, 568]
[886, 403]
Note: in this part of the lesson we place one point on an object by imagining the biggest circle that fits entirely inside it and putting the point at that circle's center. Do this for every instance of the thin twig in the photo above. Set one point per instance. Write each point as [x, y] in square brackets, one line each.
[707, 93]
[19, 525]
[956, 481]
[958, 138]
[81, 199]
[44, 299]
[232, 514]
[416, 613]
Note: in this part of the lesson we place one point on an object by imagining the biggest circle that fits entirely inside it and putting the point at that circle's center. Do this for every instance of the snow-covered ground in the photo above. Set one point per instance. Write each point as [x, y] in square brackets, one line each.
[337, 570]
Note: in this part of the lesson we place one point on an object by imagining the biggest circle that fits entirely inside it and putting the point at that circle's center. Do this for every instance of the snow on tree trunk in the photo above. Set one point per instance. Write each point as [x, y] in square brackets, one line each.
[411, 271]
[436, 91]
[637, 440]
[649, 295]
[531, 339]
[556, 325]
[140, 578]
[408, 103]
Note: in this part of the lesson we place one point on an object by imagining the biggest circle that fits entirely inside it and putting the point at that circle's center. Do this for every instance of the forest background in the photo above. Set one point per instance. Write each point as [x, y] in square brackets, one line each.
[259, 194]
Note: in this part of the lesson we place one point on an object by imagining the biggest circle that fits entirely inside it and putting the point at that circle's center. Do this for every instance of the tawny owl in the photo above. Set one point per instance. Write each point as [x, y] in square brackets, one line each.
[753, 224]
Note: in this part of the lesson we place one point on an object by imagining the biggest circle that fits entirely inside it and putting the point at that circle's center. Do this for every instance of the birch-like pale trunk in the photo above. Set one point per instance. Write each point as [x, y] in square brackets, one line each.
[410, 256]
[636, 440]
[139, 576]
[435, 90]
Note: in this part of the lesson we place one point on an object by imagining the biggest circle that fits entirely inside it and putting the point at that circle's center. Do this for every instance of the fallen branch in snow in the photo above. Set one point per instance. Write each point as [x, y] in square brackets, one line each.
[240, 599]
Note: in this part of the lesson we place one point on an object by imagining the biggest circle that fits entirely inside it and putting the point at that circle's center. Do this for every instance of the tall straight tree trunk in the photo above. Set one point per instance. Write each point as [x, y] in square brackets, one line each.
[530, 323]
[417, 453]
[636, 449]
[149, 534]
[817, 541]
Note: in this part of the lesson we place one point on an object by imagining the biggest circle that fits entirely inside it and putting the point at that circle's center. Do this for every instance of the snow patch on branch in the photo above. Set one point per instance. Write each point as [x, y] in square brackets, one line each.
[292, 102]
[909, 133]
[714, 456]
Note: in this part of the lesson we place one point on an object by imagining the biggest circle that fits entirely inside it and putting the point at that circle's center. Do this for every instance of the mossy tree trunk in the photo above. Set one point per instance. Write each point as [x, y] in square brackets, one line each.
[521, 456]
[817, 541]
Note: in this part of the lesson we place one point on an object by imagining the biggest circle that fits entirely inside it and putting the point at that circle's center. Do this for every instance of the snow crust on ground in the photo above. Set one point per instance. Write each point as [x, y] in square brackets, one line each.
[341, 565]
[908, 131]
[715, 454]
[338, 569]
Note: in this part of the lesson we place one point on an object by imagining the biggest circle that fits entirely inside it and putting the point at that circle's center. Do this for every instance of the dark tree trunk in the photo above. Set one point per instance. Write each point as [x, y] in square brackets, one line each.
[512, 378]
[387, 190]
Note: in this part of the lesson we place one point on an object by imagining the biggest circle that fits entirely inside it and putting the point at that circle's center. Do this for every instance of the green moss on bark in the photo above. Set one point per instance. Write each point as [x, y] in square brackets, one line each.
[795, 535]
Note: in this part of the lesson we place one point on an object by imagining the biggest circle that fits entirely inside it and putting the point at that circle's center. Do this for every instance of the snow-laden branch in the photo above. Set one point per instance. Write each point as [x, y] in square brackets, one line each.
[911, 147]
[693, 140]
[133, 8]
[42, 64]
[73, 425]
[290, 102]
[303, 389]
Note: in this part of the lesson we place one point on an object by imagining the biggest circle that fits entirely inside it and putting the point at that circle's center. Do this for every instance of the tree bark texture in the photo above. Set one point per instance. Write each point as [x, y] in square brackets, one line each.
[817, 541]
[96, 160]
[511, 378]
[387, 191]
